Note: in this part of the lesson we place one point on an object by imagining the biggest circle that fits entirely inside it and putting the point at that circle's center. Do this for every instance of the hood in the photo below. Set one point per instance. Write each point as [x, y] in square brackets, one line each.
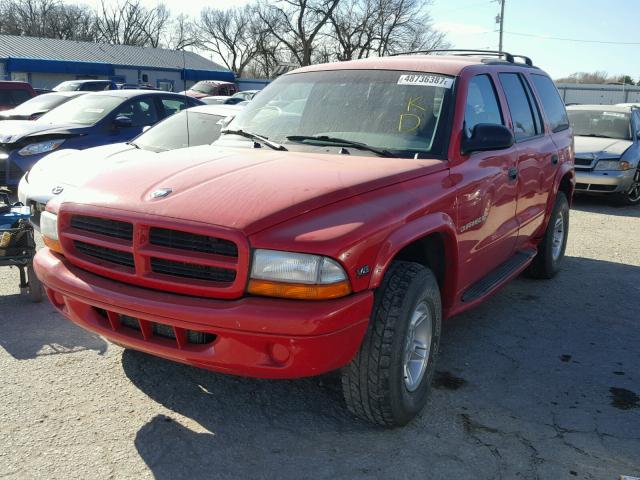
[600, 146]
[71, 168]
[242, 188]
[12, 131]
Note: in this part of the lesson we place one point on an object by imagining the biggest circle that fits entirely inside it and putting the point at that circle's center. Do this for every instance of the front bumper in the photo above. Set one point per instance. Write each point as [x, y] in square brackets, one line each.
[606, 181]
[256, 337]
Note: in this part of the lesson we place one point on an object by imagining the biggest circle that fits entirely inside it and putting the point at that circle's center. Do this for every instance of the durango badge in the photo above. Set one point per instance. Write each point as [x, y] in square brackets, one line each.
[161, 193]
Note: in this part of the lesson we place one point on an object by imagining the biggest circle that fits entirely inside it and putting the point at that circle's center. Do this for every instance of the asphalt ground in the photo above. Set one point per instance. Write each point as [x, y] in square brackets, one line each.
[541, 381]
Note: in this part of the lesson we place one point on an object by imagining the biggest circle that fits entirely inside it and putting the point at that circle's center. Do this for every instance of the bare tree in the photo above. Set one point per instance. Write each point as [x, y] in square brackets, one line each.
[297, 24]
[130, 23]
[183, 34]
[230, 36]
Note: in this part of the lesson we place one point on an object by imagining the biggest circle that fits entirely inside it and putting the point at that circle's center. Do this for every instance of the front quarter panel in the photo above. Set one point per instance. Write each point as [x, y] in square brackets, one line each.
[359, 231]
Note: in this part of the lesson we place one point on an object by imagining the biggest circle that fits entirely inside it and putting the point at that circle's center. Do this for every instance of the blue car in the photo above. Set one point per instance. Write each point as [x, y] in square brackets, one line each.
[94, 119]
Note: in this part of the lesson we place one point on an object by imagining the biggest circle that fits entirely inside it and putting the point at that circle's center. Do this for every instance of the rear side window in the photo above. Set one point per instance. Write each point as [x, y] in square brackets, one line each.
[482, 104]
[551, 103]
[20, 96]
[524, 124]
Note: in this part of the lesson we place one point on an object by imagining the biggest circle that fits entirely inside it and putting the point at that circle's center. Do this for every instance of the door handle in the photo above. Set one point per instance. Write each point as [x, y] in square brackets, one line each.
[554, 159]
[513, 173]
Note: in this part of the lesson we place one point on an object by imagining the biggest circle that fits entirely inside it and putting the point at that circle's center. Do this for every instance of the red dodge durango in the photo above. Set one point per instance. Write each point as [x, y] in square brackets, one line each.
[341, 217]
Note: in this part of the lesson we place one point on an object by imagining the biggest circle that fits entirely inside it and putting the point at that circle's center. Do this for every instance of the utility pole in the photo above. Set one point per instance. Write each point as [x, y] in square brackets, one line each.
[500, 20]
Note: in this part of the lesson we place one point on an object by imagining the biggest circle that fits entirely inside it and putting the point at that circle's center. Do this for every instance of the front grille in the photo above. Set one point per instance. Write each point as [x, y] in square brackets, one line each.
[595, 187]
[192, 270]
[103, 226]
[147, 252]
[583, 162]
[154, 329]
[192, 242]
[106, 254]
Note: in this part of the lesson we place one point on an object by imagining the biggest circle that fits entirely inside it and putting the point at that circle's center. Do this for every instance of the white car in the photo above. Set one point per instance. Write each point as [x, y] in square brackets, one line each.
[65, 170]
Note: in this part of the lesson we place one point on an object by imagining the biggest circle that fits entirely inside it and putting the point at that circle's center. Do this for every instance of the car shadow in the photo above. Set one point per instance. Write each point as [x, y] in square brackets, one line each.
[603, 205]
[502, 366]
[37, 329]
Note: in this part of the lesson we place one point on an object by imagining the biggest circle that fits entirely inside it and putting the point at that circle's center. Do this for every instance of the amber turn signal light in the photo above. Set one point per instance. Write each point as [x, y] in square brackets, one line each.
[299, 291]
[52, 244]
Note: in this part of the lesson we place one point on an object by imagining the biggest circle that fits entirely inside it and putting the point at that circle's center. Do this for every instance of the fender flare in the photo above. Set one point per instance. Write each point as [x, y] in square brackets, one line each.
[433, 223]
[562, 172]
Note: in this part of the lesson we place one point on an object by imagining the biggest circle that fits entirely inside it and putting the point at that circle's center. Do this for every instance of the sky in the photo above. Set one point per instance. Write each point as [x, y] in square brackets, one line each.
[529, 26]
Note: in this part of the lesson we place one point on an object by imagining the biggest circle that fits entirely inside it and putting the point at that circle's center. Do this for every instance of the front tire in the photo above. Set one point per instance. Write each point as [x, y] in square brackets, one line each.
[631, 196]
[389, 379]
[551, 249]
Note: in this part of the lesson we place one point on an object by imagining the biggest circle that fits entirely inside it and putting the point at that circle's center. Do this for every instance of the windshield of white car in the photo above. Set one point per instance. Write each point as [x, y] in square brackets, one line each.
[204, 87]
[184, 129]
[68, 87]
[41, 103]
[395, 111]
[84, 110]
[600, 123]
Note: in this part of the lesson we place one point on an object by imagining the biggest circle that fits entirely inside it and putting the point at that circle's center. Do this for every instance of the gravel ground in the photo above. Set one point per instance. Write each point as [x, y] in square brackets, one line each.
[541, 381]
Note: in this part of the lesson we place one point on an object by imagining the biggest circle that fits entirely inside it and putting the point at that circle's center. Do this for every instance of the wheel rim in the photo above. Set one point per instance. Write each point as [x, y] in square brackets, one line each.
[558, 236]
[634, 191]
[417, 346]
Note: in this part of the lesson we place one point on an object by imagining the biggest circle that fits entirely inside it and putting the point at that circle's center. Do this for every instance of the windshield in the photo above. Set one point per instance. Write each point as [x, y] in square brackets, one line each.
[41, 103]
[204, 87]
[85, 110]
[599, 123]
[397, 111]
[184, 129]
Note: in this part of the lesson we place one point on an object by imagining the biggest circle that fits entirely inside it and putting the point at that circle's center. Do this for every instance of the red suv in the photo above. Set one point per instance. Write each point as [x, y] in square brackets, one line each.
[343, 214]
[13, 94]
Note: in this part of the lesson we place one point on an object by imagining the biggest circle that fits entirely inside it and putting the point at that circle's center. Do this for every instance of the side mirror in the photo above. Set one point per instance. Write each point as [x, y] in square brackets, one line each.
[487, 136]
[122, 122]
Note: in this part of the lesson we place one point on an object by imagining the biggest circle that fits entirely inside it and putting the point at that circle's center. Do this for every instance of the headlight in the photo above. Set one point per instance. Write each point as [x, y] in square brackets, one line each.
[49, 230]
[40, 147]
[297, 275]
[613, 165]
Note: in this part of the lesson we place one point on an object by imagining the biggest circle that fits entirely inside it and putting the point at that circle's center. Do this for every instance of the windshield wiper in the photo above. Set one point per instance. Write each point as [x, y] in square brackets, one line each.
[341, 141]
[134, 145]
[256, 137]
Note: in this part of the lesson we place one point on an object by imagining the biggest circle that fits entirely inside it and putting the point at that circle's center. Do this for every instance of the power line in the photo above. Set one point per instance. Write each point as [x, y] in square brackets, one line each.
[579, 40]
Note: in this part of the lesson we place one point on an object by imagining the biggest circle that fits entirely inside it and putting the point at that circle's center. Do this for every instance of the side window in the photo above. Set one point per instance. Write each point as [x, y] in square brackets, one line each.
[552, 104]
[482, 104]
[20, 96]
[141, 112]
[172, 105]
[524, 124]
[535, 108]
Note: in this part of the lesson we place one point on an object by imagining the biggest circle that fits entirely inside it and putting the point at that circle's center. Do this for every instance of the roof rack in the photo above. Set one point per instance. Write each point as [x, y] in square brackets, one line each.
[511, 58]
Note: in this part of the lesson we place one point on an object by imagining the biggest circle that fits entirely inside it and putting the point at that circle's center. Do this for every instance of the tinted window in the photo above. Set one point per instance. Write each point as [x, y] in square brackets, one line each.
[185, 129]
[535, 108]
[482, 104]
[141, 112]
[551, 103]
[20, 96]
[173, 105]
[41, 103]
[524, 125]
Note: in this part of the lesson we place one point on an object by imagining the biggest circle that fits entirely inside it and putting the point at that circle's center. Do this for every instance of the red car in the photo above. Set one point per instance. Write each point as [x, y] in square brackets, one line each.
[13, 94]
[345, 212]
[208, 88]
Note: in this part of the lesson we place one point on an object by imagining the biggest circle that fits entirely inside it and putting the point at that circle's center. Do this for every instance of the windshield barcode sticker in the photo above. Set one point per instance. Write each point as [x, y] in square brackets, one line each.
[425, 80]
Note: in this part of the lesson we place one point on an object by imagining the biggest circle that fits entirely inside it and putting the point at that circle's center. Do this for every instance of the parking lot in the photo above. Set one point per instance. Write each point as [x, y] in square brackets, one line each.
[539, 382]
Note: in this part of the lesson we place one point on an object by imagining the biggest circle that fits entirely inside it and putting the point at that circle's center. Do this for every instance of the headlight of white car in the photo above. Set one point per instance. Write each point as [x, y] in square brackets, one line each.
[40, 147]
[613, 165]
[297, 275]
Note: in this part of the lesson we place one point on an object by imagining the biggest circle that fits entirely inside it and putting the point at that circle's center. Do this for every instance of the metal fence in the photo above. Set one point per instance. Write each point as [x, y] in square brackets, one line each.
[598, 94]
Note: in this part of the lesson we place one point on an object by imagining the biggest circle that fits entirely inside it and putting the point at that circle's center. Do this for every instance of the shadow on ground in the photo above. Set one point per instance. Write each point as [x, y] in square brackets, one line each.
[603, 205]
[37, 329]
[525, 391]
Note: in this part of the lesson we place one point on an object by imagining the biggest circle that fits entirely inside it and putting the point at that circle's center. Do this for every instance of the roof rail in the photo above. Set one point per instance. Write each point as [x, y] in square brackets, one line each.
[469, 52]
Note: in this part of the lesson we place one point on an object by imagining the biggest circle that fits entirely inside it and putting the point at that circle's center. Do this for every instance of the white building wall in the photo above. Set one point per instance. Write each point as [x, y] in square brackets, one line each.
[134, 75]
[50, 80]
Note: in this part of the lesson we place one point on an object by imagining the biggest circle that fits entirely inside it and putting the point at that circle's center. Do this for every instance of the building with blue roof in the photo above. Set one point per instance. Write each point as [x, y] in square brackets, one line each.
[45, 62]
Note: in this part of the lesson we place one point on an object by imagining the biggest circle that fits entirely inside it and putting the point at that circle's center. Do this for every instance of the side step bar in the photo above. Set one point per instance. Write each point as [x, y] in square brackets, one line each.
[496, 277]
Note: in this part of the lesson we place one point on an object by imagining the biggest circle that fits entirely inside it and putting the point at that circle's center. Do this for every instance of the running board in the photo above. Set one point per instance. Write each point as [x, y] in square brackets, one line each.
[496, 277]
